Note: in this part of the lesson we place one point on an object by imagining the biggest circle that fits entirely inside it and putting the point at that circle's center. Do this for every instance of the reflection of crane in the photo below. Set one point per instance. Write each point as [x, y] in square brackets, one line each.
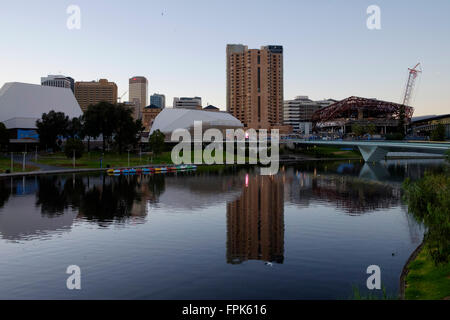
[120, 99]
[413, 73]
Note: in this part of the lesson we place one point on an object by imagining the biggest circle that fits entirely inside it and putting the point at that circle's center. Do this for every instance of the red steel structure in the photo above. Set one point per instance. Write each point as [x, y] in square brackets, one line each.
[357, 109]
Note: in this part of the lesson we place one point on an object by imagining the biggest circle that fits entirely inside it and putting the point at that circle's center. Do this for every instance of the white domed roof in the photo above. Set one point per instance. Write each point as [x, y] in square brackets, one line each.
[171, 119]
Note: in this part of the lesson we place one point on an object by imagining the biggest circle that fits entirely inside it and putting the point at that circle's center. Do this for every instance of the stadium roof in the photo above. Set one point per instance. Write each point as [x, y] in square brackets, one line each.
[336, 110]
[171, 119]
[22, 101]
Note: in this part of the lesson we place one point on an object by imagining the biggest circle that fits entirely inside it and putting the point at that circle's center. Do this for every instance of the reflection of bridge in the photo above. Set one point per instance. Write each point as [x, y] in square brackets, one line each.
[374, 151]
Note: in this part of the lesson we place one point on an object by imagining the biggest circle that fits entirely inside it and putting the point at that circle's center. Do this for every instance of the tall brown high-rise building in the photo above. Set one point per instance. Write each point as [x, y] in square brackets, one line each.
[93, 92]
[255, 85]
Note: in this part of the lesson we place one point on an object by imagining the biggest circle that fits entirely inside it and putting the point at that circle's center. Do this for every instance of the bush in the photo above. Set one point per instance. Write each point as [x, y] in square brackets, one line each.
[395, 136]
[438, 133]
[429, 201]
[74, 145]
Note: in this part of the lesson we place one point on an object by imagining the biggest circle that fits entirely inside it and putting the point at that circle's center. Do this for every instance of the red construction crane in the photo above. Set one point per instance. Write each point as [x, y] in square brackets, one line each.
[413, 73]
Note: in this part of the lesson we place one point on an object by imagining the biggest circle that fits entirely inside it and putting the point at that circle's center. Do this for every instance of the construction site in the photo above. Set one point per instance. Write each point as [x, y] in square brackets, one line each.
[377, 117]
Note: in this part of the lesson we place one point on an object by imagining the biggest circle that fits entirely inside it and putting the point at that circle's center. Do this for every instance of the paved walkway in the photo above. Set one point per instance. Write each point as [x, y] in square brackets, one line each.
[18, 158]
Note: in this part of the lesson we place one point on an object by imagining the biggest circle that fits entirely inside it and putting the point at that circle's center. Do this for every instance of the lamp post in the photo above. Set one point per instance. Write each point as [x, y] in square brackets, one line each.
[23, 162]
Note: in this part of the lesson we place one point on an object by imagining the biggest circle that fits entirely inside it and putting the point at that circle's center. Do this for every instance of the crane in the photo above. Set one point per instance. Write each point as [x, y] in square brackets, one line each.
[413, 73]
[120, 99]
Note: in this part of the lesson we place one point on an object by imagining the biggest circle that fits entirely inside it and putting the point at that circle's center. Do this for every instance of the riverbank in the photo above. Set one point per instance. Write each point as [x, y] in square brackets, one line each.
[426, 275]
[422, 279]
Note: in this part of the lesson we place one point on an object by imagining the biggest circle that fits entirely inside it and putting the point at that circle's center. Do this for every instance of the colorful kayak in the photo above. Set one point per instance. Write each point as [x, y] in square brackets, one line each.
[149, 170]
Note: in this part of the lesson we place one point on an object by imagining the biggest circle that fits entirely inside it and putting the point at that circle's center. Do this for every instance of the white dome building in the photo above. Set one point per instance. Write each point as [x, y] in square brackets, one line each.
[171, 119]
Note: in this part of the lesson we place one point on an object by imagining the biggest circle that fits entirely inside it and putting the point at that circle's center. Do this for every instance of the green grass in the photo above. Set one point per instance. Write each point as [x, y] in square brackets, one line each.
[329, 152]
[377, 295]
[114, 160]
[426, 280]
[5, 164]
[92, 160]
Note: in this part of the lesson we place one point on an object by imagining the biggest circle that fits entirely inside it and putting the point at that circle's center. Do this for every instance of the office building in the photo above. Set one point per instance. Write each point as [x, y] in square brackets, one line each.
[298, 113]
[148, 116]
[93, 92]
[58, 81]
[158, 100]
[138, 90]
[255, 85]
[187, 103]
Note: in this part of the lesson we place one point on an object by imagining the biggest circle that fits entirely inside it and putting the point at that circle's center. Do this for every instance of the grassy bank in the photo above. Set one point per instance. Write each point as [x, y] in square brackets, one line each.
[114, 160]
[5, 164]
[426, 280]
[92, 160]
[428, 199]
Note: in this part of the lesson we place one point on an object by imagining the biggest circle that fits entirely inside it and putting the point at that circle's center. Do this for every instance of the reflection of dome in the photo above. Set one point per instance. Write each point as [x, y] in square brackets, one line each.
[20, 220]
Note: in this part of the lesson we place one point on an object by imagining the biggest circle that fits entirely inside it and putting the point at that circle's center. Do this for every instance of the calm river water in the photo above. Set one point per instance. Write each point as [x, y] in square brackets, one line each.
[309, 232]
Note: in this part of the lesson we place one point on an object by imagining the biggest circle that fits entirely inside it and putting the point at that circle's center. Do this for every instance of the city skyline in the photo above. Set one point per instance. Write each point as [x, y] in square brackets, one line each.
[328, 50]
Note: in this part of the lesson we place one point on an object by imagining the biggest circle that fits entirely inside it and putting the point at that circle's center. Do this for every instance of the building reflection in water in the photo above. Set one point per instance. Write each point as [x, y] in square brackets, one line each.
[40, 206]
[255, 221]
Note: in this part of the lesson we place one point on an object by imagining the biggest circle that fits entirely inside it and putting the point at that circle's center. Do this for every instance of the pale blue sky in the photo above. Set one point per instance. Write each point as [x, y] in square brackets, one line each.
[180, 45]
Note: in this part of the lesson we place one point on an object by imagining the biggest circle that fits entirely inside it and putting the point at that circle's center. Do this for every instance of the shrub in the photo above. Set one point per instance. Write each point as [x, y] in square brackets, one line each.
[74, 145]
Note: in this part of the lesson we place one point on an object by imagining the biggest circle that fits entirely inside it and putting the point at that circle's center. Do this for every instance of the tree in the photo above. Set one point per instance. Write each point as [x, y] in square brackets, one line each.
[51, 127]
[156, 142]
[100, 119]
[74, 145]
[4, 136]
[357, 130]
[401, 122]
[127, 130]
[370, 129]
[75, 128]
[438, 133]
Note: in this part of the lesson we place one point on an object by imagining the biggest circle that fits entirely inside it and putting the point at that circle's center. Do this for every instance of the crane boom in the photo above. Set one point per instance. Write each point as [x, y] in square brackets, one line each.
[413, 73]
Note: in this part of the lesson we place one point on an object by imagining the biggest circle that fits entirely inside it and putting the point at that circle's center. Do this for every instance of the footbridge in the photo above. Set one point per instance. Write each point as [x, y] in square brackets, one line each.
[375, 151]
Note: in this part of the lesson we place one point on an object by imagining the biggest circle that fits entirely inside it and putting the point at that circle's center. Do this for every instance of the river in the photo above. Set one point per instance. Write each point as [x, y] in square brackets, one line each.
[309, 232]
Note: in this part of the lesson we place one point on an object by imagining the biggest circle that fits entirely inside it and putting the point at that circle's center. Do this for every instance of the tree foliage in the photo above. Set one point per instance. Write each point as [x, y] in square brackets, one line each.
[51, 127]
[438, 133]
[74, 145]
[99, 120]
[127, 129]
[4, 136]
[156, 142]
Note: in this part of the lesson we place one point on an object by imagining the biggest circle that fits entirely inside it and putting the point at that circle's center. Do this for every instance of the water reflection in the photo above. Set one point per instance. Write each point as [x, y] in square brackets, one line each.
[255, 221]
[31, 207]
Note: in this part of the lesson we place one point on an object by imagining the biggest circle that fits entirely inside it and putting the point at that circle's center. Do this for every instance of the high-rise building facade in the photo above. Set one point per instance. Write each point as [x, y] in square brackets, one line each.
[158, 100]
[58, 81]
[139, 90]
[93, 92]
[188, 103]
[255, 85]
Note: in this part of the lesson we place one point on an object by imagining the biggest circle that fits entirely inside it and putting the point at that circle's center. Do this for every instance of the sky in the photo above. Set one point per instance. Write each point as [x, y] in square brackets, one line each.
[180, 46]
